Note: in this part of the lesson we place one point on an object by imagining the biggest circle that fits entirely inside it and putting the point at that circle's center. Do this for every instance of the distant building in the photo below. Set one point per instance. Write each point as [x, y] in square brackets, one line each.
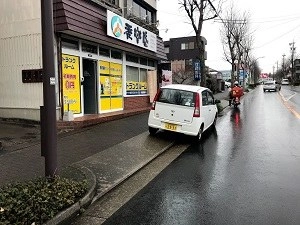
[183, 55]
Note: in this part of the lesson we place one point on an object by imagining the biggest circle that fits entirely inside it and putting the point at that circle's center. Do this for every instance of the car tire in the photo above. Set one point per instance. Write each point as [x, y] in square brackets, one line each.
[199, 135]
[152, 131]
[215, 120]
[264, 90]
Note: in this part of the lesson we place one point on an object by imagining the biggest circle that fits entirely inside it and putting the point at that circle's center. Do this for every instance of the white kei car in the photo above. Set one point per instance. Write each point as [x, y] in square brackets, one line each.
[186, 109]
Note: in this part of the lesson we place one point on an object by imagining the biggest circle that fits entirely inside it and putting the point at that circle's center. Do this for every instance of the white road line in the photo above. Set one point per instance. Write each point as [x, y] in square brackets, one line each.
[288, 98]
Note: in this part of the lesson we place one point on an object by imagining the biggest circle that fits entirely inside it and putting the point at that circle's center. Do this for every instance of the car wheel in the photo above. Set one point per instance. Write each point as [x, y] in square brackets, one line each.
[152, 131]
[264, 90]
[199, 135]
[215, 120]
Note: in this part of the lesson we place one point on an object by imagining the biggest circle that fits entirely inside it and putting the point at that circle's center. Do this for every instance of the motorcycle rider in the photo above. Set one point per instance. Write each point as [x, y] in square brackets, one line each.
[236, 91]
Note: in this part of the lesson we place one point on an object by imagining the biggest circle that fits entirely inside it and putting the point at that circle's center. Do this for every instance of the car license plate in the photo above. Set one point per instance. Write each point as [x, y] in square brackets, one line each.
[170, 126]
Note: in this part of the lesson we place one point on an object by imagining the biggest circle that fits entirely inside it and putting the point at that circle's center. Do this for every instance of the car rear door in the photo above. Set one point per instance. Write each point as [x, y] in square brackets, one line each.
[207, 108]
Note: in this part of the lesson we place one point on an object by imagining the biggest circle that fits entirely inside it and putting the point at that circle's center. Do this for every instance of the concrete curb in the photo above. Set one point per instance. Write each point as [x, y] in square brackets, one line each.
[90, 197]
[137, 168]
[85, 201]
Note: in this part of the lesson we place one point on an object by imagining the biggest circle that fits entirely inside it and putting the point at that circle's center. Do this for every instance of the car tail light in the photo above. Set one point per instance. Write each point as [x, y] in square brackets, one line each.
[155, 99]
[197, 106]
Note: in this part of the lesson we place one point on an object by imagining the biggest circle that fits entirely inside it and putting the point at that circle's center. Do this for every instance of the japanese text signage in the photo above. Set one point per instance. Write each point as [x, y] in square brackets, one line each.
[136, 88]
[197, 70]
[71, 83]
[122, 29]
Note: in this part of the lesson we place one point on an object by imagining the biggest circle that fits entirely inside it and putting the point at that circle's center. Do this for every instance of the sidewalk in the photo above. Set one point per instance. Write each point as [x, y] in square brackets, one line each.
[105, 168]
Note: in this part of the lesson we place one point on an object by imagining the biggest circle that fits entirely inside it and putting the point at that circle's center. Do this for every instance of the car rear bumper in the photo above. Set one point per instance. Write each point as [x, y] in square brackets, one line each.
[191, 129]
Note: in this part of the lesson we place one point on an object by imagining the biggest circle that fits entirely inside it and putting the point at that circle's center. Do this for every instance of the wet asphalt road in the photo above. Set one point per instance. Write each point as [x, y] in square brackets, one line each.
[246, 171]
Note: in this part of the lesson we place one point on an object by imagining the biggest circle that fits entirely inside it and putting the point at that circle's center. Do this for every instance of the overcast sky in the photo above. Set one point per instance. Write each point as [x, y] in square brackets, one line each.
[273, 23]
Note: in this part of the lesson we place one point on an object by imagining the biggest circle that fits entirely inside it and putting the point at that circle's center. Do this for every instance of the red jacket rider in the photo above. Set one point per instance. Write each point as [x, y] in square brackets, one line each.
[237, 91]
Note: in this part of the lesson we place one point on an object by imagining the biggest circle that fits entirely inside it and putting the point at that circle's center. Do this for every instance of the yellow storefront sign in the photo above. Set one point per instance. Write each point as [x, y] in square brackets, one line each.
[71, 83]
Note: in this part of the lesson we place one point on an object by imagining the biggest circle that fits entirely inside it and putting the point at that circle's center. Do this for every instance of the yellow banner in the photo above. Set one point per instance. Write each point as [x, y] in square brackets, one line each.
[115, 69]
[71, 83]
[104, 67]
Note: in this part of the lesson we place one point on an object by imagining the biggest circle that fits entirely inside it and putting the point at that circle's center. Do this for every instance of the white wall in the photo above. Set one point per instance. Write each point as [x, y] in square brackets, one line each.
[20, 44]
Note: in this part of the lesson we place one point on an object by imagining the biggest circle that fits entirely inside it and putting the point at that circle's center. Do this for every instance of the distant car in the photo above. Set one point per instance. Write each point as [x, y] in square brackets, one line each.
[185, 109]
[285, 82]
[271, 86]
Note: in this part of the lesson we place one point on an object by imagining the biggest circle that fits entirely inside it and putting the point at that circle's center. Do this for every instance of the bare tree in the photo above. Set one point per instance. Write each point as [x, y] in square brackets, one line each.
[199, 11]
[235, 39]
[183, 76]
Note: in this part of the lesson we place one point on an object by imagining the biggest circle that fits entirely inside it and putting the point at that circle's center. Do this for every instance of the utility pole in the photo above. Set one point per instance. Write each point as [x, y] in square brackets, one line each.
[292, 60]
[48, 111]
[283, 70]
[273, 73]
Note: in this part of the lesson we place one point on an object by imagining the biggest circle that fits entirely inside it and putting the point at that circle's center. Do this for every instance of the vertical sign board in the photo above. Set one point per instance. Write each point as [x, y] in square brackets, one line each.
[116, 86]
[197, 70]
[71, 83]
[104, 86]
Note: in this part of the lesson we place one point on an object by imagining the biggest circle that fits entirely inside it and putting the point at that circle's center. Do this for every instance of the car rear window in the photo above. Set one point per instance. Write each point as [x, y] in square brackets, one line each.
[177, 97]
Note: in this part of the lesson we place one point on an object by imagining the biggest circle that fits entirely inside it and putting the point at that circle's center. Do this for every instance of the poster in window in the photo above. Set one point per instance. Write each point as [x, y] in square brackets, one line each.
[111, 95]
[166, 77]
[71, 83]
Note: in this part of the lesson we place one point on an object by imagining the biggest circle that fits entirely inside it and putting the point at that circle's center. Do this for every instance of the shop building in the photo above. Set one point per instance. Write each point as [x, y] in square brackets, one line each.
[106, 54]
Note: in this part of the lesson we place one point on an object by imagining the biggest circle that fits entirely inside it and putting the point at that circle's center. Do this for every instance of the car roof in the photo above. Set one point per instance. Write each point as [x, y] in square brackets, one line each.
[185, 87]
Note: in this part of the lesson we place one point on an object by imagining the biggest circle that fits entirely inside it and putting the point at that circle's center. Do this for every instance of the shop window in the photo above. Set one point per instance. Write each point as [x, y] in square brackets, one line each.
[151, 63]
[89, 48]
[143, 81]
[136, 9]
[104, 52]
[132, 73]
[71, 44]
[149, 17]
[131, 58]
[136, 81]
[116, 54]
[144, 61]
[132, 80]
[143, 14]
[32, 76]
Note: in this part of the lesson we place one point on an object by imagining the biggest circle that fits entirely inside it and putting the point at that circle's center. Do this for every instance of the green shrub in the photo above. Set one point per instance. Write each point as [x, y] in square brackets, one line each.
[39, 200]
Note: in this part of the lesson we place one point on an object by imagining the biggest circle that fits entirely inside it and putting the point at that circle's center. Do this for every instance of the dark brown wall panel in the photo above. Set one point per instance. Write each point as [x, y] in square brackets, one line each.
[86, 18]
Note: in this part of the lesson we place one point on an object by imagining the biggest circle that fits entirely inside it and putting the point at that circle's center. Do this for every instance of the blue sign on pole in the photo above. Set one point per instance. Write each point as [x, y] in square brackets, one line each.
[197, 70]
